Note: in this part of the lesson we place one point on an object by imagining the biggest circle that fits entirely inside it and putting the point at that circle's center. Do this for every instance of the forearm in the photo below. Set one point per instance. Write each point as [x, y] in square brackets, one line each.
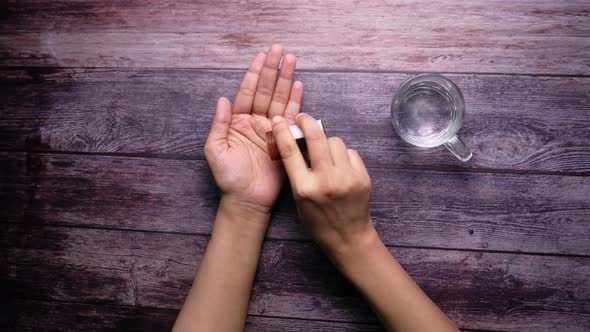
[218, 299]
[395, 297]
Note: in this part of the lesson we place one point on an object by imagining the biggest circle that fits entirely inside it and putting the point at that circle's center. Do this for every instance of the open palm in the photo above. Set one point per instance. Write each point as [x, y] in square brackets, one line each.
[236, 148]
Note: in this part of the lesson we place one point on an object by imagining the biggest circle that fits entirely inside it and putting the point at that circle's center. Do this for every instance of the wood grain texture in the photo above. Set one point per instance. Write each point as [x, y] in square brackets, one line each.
[112, 241]
[416, 35]
[508, 212]
[317, 51]
[30, 315]
[419, 17]
[35, 315]
[479, 290]
[513, 123]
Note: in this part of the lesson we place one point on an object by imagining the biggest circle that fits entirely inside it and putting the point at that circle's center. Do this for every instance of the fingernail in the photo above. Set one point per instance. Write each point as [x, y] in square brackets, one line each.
[299, 115]
[276, 119]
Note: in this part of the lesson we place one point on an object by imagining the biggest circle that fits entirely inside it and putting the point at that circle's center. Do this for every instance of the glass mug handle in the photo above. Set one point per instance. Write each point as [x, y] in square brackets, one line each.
[458, 149]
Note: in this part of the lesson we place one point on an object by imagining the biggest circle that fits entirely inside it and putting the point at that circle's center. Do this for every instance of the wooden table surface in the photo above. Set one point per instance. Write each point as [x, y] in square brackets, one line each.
[107, 202]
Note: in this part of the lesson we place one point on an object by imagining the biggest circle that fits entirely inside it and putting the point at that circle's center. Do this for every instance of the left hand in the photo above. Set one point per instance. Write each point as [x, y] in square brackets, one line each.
[236, 146]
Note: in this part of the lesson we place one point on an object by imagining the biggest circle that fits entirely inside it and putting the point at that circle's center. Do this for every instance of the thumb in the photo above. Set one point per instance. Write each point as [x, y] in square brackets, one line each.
[220, 126]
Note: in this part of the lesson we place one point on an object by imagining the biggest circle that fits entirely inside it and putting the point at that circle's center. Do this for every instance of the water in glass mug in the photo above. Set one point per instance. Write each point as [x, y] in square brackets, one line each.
[427, 111]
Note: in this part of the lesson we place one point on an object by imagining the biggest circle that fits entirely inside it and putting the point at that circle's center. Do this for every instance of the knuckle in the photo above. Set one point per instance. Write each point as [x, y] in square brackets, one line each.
[287, 151]
[369, 184]
[264, 90]
[358, 185]
[246, 91]
[336, 192]
[351, 187]
[335, 141]
[336, 189]
[254, 72]
[280, 98]
[304, 192]
[362, 183]
[314, 135]
[348, 188]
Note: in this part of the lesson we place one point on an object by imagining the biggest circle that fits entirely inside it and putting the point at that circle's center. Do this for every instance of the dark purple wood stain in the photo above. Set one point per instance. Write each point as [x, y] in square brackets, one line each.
[546, 37]
[536, 124]
[89, 317]
[516, 212]
[155, 270]
[106, 203]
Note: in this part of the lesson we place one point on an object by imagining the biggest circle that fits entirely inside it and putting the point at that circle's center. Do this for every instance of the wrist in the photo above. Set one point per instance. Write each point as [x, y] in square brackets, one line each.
[242, 216]
[238, 204]
[349, 253]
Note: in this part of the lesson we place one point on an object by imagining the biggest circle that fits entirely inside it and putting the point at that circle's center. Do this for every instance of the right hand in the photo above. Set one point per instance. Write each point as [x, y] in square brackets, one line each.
[332, 195]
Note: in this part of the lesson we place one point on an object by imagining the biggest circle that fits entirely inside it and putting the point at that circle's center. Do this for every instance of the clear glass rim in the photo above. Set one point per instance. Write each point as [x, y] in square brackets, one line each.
[458, 101]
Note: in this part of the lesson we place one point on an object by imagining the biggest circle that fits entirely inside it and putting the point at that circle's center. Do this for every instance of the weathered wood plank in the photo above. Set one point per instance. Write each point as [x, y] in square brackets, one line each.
[513, 122]
[519, 17]
[35, 315]
[14, 189]
[510, 212]
[360, 50]
[478, 290]
[28, 315]
[479, 36]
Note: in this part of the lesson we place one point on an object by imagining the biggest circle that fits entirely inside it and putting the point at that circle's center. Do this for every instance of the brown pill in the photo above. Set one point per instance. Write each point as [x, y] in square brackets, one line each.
[271, 145]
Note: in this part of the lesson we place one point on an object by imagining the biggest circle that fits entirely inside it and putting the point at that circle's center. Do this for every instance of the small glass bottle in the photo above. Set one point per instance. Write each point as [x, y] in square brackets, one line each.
[271, 145]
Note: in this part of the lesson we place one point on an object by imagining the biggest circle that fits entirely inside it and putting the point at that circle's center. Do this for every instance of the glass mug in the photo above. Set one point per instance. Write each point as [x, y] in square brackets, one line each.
[427, 111]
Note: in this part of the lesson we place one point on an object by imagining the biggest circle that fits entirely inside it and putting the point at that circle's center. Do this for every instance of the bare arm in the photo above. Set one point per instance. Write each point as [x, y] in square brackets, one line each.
[218, 300]
[250, 183]
[398, 301]
[333, 201]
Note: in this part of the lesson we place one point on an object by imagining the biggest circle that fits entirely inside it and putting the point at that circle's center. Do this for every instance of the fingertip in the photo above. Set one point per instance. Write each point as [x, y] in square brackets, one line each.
[289, 58]
[223, 102]
[296, 92]
[276, 48]
[274, 56]
[301, 117]
[258, 62]
[287, 148]
[277, 119]
[223, 109]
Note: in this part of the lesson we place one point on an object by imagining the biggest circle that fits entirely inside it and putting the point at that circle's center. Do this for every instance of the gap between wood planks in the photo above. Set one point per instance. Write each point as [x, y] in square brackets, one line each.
[417, 168]
[38, 198]
[511, 127]
[169, 156]
[520, 281]
[303, 70]
[278, 239]
[433, 166]
[168, 316]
